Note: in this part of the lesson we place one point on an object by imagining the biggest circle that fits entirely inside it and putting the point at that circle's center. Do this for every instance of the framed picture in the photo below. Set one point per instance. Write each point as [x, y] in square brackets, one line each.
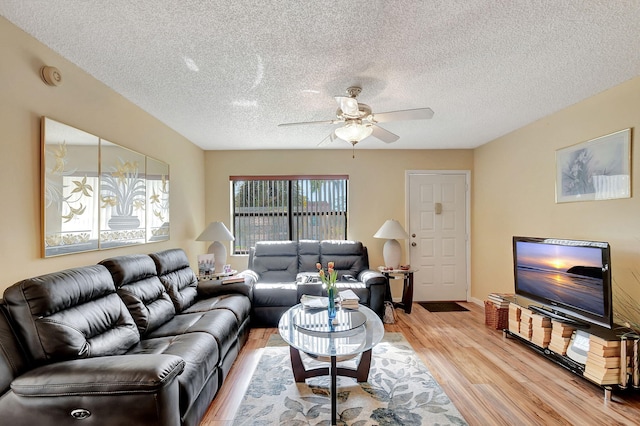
[206, 264]
[598, 169]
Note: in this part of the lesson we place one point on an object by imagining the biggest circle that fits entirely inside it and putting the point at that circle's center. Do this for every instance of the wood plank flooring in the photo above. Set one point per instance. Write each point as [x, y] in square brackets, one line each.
[490, 379]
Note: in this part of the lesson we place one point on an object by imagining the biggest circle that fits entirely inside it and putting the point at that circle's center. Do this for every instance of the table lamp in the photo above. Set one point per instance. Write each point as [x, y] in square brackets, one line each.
[391, 252]
[216, 232]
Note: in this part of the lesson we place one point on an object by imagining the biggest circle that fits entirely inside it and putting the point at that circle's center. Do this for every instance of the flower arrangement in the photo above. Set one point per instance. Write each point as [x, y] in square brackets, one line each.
[328, 278]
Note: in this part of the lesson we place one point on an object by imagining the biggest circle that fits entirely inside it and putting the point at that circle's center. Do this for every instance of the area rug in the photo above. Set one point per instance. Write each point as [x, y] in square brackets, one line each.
[442, 306]
[400, 391]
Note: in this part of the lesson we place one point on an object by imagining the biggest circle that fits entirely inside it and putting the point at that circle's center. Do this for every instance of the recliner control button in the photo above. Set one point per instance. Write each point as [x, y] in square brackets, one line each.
[80, 414]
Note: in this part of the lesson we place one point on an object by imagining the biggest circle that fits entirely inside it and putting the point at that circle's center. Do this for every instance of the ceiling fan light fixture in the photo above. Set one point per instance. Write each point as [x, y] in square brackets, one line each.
[354, 131]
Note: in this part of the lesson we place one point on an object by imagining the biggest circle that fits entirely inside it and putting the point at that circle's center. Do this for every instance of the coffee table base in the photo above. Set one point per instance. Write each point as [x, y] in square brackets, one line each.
[360, 373]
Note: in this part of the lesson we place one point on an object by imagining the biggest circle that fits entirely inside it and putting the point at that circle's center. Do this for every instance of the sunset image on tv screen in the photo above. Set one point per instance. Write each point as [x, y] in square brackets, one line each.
[567, 274]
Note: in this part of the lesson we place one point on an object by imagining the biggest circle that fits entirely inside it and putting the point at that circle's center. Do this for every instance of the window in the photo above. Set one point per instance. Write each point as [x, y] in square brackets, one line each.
[282, 208]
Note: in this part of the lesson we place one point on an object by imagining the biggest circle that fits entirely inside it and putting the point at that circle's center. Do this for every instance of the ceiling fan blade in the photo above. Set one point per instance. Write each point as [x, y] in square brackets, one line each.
[310, 122]
[330, 138]
[348, 105]
[407, 114]
[384, 135]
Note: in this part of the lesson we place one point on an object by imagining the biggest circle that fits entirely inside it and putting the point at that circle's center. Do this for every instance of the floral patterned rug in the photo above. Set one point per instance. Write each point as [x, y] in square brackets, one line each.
[400, 391]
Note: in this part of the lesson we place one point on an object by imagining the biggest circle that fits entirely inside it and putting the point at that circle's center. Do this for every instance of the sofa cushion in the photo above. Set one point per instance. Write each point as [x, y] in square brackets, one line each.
[349, 257]
[71, 314]
[275, 294]
[219, 323]
[176, 275]
[200, 354]
[239, 304]
[275, 261]
[309, 255]
[138, 285]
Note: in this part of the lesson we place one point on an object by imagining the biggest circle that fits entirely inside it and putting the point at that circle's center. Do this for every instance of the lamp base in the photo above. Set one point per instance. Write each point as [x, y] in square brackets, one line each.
[220, 255]
[391, 253]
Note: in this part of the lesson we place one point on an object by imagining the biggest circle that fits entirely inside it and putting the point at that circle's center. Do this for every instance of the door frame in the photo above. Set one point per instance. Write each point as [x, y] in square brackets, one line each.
[407, 210]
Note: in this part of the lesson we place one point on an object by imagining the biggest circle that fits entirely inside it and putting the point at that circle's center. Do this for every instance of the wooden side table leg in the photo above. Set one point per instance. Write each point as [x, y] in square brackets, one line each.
[407, 292]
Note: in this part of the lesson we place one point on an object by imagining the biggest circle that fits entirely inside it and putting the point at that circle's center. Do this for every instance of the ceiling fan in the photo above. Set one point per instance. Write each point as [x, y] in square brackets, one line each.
[358, 120]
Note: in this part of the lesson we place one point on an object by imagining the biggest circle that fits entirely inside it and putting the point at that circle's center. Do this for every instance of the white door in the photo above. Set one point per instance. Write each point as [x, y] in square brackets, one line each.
[438, 234]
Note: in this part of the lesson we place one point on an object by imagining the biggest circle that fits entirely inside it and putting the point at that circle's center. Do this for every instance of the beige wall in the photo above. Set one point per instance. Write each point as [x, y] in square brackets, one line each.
[85, 103]
[376, 182]
[514, 193]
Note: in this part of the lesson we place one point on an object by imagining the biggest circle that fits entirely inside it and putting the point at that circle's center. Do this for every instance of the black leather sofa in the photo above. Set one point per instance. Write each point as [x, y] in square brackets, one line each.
[274, 269]
[131, 341]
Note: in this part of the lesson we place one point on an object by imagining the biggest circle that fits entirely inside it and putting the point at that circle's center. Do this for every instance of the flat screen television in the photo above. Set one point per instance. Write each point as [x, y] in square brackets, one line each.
[570, 279]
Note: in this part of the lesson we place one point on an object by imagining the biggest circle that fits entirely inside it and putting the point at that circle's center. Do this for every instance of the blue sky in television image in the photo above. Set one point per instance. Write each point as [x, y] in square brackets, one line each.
[555, 257]
[542, 270]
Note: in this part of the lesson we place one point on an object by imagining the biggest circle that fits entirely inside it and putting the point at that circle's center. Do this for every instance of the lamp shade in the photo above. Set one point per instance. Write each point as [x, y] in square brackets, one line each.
[216, 231]
[391, 230]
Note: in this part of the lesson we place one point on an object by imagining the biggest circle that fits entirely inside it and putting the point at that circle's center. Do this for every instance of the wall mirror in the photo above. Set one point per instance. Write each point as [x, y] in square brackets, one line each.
[122, 196]
[70, 189]
[157, 200]
[97, 194]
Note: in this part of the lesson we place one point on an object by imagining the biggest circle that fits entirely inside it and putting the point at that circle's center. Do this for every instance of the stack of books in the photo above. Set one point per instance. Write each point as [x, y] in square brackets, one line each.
[526, 329]
[514, 318]
[560, 337]
[500, 300]
[603, 361]
[540, 330]
[349, 300]
[231, 279]
[314, 302]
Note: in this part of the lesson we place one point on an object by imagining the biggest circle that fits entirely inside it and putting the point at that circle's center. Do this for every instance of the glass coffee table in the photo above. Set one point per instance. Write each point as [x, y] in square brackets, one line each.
[352, 333]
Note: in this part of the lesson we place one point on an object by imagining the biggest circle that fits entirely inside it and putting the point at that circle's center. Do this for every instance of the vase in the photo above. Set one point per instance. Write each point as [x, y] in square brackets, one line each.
[331, 292]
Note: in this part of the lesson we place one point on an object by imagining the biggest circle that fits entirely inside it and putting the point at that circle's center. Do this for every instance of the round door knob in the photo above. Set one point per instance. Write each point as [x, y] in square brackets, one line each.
[413, 244]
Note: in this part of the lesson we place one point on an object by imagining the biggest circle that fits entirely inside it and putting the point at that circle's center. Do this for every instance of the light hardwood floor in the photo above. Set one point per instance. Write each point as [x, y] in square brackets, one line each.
[490, 379]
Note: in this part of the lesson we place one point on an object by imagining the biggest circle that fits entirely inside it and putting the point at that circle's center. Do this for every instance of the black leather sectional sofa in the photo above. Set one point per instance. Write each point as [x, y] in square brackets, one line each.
[136, 340]
[131, 341]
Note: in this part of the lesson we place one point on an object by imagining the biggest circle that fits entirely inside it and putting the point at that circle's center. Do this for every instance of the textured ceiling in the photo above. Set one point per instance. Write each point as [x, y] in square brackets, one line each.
[225, 73]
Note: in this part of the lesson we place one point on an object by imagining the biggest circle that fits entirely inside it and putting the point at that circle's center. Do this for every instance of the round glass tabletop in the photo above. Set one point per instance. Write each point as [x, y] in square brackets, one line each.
[309, 331]
[317, 320]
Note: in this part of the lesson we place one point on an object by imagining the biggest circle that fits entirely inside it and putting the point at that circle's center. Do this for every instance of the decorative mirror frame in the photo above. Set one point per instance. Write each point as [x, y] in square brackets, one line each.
[97, 194]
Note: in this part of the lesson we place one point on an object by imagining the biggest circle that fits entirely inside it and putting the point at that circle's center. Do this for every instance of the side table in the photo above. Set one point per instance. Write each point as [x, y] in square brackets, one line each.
[407, 288]
[217, 275]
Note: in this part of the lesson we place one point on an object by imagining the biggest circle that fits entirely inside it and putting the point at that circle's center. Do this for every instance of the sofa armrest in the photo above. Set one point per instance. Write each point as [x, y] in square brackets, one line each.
[143, 373]
[250, 277]
[140, 390]
[377, 285]
[370, 277]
